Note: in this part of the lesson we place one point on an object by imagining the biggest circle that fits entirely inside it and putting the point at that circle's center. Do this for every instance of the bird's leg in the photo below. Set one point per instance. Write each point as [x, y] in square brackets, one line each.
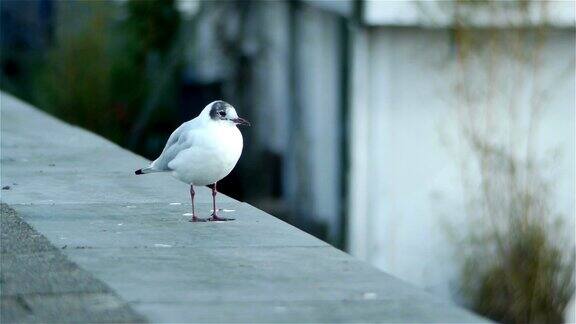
[215, 217]
[194, 218]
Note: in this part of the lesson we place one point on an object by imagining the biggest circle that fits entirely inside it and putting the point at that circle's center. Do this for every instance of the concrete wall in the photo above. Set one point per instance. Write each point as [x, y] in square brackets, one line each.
[135, 249]
[408, 164]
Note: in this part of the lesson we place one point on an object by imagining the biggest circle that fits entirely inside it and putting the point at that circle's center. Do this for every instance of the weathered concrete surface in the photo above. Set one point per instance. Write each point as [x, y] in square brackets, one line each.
[129, 231]
[39, 284]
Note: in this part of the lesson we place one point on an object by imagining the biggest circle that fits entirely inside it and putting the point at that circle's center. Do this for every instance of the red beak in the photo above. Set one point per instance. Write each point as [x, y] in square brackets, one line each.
[241, 121]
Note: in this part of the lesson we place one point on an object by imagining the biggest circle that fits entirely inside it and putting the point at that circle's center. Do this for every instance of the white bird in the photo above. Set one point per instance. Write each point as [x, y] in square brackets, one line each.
[203, 151]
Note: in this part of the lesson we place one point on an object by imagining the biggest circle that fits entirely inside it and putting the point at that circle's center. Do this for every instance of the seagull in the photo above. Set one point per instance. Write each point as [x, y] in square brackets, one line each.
[203, 151]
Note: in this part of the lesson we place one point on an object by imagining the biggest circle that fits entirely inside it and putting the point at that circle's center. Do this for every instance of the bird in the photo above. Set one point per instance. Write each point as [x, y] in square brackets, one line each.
[203, 151]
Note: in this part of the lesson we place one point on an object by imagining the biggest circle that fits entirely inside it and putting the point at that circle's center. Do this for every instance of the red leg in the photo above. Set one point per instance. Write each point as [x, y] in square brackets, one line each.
[194, 218]
[215, 216]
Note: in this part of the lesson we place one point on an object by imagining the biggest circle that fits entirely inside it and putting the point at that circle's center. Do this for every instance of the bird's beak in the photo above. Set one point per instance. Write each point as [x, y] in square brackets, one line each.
[241, 121]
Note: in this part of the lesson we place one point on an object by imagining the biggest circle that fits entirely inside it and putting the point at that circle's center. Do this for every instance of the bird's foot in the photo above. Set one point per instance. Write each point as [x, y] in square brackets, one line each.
[216, 218]
[195, 219]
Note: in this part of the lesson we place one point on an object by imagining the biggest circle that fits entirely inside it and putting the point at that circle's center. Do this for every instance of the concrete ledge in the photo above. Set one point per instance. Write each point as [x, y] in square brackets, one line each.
[39, 284]
[79, 191]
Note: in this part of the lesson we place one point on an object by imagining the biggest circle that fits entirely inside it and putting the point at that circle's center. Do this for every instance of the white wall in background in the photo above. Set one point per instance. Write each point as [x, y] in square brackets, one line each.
[316, 118]
[301, 125]
[272, 77]
[440, 13]
[405, 175]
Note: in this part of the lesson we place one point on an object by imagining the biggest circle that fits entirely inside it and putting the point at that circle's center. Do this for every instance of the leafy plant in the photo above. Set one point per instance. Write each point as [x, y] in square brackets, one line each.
[107, 70]
[76, 81]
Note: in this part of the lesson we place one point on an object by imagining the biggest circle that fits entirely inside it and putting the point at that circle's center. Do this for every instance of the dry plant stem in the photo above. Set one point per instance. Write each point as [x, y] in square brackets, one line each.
[513, 196]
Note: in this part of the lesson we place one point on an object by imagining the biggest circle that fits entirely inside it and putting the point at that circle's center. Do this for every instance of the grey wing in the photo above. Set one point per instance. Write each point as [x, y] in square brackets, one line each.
[177, 142]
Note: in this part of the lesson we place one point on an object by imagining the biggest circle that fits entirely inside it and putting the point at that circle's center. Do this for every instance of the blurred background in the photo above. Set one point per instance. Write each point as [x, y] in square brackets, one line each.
[433, 139]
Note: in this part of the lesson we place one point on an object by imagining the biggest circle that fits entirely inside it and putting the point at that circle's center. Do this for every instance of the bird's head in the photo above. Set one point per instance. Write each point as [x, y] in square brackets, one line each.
[221, 111]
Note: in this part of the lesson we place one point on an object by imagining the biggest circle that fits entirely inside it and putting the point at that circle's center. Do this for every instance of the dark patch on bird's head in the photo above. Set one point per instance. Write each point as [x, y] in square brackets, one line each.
[219, 110]
[223, 111]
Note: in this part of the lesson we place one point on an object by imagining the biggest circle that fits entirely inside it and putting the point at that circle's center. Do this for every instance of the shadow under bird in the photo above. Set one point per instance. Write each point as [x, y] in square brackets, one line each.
[203, 151]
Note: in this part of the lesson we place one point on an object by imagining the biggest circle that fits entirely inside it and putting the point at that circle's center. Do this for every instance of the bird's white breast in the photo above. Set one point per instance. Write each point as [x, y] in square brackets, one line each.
[211, 157]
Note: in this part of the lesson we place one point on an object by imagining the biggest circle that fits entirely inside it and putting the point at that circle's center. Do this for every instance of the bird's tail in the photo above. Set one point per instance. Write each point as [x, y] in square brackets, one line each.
[144, 171]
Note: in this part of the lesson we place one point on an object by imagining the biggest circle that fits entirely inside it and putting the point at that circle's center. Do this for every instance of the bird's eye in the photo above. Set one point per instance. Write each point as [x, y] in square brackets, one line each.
[222, 113]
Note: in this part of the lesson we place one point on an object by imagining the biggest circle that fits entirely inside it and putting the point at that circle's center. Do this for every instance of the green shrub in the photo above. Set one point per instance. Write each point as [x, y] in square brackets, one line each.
[106, 64]
[75, 83]
[516, 265]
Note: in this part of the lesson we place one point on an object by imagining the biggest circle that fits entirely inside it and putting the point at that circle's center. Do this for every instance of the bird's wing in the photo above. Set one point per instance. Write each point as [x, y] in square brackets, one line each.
[180, 139]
